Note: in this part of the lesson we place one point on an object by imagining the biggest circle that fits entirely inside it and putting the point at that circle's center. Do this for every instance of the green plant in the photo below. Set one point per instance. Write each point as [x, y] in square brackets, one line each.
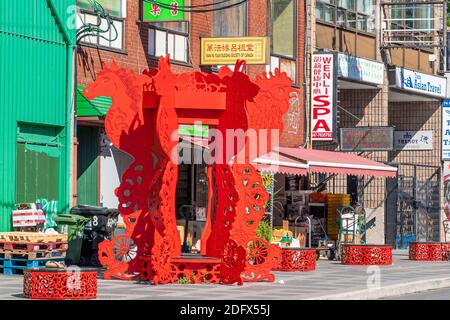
[264, 231]
[183, 280]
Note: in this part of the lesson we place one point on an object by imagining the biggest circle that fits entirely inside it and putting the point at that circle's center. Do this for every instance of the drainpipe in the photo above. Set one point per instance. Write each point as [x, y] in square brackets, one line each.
[71, 46]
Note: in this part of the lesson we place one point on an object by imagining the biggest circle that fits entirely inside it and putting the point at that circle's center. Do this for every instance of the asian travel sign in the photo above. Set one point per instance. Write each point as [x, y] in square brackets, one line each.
[224, 51]
[420, 82]
[156, 12]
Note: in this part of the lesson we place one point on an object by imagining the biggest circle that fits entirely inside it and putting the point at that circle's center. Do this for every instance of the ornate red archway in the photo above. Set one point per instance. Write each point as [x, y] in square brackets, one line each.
[143, 121]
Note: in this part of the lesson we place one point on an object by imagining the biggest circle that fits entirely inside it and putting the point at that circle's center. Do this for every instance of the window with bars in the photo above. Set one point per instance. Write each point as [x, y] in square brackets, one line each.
[353, 14]
[117, 11]
[411, 22]
[169, 38]
[283, 16]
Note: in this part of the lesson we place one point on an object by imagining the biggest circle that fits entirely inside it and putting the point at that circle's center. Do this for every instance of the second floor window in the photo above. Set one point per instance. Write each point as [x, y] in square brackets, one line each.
[352, 14]
[412, 22]
[117, 11]
[283, 37]
[230, 22]
[169, 38]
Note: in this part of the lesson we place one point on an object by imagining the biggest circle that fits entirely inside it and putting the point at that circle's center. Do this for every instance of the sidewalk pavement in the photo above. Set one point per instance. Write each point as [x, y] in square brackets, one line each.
[331, 280]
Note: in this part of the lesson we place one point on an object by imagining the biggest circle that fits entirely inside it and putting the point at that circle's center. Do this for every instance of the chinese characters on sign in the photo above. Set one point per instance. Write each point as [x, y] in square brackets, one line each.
[293, 115]
[219, 51]
[169, 11]
[413, 140]
[360, 69]
[323, 95]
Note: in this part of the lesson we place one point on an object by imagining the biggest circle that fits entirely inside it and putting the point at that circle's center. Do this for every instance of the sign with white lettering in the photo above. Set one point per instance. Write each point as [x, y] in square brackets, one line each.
[420, 82]
[446, 130]
[360, 69]
[323, 96]
[413, 140]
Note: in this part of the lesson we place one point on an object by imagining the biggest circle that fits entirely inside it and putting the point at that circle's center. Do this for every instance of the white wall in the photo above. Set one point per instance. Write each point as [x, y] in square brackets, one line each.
[113, 163]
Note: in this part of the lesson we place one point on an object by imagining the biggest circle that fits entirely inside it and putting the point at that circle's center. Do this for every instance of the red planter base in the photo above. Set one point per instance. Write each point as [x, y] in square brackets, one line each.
[59, 284]
[196, 270]
[366, 254]
[297, 260]
[429, 251]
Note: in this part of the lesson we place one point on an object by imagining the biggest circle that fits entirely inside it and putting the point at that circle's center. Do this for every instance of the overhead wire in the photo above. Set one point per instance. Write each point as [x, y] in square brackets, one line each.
[190, 8]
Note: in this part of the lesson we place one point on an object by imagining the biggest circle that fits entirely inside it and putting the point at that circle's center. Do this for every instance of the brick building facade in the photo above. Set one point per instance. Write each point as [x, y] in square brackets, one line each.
[395, 207]
[139, 50]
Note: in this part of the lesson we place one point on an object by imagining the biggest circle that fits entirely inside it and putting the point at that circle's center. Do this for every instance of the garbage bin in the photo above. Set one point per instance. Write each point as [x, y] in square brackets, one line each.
[73, 226]
[102, 222]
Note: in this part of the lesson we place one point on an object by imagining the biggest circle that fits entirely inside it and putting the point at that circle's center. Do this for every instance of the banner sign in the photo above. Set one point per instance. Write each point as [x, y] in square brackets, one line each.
[413, 140]
[223, 51]
[153, 12]
[420, 82]
[367, 139]
[359, 69]
[446, 130]
[323, 96]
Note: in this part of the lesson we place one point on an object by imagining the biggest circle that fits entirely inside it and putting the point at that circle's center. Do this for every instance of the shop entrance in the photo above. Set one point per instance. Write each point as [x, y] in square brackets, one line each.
[417, 209]
[191, 198]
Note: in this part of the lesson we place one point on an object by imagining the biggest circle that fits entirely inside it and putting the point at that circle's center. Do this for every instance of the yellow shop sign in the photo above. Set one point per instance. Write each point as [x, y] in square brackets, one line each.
[254, 50]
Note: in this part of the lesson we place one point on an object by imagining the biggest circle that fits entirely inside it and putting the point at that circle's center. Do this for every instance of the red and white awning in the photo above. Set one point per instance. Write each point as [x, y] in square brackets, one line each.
[274, 162]
[331, 162]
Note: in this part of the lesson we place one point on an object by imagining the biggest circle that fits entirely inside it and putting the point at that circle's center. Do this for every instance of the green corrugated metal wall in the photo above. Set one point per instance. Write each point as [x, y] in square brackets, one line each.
[34, 88]
[87, 182]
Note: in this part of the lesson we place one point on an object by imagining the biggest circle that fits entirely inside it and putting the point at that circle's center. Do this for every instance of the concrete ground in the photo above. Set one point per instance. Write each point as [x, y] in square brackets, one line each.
[437, 294]
[331, 280]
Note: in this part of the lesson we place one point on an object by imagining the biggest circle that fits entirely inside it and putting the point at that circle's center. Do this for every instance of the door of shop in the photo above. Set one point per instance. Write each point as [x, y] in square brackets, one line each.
[417, 209]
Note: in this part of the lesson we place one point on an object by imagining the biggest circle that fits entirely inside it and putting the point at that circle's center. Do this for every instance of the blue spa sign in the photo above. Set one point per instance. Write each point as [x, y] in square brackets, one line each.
[446, 130]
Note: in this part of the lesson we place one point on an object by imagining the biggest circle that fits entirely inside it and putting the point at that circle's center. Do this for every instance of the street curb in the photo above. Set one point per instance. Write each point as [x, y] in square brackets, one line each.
[389, 291]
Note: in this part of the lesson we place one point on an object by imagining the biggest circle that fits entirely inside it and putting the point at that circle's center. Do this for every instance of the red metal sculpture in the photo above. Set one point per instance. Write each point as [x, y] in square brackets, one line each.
[143, 121]
[297, 260]
[429, 251]
[366, 254]
[59, 285]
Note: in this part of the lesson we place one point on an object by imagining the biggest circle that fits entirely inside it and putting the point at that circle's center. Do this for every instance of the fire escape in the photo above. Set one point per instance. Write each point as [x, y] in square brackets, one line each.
[415, 24]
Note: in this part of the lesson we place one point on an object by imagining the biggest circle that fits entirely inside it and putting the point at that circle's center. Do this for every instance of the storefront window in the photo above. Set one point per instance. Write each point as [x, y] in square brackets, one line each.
[117, 11]
[352, 14]
[169, 38]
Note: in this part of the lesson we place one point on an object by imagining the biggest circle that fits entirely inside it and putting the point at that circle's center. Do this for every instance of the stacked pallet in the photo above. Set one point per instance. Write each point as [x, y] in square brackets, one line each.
[334, 202]
[22, 250]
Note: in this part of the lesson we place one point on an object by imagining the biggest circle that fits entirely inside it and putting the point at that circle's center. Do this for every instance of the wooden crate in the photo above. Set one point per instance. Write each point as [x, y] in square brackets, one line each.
[30, 256]
[35, 237]
[32, 246]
